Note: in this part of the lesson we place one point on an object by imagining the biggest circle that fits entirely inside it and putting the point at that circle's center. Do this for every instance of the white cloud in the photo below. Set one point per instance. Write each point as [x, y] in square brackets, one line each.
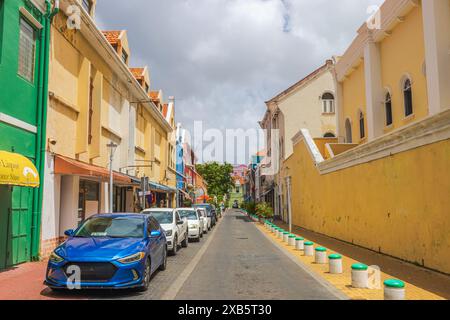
[222, 59]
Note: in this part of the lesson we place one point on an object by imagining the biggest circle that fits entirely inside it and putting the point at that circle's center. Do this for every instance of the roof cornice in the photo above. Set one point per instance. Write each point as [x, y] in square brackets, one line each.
[99, 42]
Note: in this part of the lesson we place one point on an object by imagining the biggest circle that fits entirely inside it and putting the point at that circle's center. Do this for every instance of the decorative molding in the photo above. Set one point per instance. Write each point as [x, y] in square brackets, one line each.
[112, 132]
[64, 102]
[421, 133]
[17, 123]
[30, 18]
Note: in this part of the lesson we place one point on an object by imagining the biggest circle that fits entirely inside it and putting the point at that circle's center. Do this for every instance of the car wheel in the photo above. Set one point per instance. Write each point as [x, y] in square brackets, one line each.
[163, 265]
[146, 278]
[175, 246]
[185, 242]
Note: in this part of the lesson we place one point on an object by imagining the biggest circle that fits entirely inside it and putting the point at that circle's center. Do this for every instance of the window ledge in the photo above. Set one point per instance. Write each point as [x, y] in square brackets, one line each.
[409, 118]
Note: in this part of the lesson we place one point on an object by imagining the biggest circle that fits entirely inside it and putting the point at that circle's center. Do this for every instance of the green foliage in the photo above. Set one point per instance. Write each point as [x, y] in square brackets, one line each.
[218, 178]
[250, 207]
[264, 210]
[187, 203]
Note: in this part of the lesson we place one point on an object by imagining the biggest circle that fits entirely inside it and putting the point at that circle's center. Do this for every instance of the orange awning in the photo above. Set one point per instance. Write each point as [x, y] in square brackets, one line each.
[67, 166]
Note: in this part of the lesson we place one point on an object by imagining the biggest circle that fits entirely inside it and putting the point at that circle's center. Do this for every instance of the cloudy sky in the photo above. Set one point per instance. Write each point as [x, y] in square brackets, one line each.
[222, 59]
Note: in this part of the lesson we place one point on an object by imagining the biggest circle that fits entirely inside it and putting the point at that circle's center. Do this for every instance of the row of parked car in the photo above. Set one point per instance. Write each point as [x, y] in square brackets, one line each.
[122, 251]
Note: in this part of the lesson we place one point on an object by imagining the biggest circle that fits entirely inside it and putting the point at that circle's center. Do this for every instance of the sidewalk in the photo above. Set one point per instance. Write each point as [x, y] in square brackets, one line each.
[25, 282]
[423, 282]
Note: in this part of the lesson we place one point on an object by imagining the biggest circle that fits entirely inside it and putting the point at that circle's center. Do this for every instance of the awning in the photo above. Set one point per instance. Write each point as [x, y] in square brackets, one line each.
[67, 166]
[161, 188]
[17, 170]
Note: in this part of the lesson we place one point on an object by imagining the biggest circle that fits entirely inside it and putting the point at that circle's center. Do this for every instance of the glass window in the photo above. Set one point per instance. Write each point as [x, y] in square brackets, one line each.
[124, 56]
[189, 214]
[407, 94]
[112, 227]
[388, 107]
[27, 48]
[328, 103]
[87, 5]
[361, 126]
[163, 217]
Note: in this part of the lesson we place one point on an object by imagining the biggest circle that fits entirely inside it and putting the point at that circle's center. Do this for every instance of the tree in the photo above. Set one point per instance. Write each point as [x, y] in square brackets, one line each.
[218, 178]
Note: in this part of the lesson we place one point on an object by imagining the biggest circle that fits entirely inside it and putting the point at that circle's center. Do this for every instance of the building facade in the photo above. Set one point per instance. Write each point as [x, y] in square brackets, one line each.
[24, 38]
[310, 104]
[385, 183]
[101, 107]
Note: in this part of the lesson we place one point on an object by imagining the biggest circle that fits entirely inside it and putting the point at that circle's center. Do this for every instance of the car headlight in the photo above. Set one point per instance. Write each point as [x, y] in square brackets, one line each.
[168, 233]
[133, 258]
[55, 258]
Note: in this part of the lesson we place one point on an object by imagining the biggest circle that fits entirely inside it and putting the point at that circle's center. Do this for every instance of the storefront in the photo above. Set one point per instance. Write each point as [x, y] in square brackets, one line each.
[18, 178]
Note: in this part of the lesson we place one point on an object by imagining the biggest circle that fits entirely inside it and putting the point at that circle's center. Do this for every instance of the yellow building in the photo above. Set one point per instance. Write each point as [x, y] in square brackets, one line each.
[385, 184]
[96, 99]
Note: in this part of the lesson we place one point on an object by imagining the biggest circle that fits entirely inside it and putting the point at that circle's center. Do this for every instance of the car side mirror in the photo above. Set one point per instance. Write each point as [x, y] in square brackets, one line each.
[155, 234]
[180, 222]
[69, 233]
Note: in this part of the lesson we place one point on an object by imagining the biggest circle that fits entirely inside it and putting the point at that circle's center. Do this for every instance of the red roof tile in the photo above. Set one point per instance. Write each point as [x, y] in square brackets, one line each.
[112, 36]
[138, 73]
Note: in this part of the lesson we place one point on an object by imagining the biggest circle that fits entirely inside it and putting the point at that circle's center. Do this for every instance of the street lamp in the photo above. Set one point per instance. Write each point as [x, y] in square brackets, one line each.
[112, 148]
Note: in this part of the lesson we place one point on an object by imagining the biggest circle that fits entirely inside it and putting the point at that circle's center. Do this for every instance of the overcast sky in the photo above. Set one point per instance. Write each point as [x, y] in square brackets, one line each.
[222, 59]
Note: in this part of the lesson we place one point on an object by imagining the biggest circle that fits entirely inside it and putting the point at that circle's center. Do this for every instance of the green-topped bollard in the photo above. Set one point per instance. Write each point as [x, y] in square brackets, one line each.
[286, 237]
[321, 255]
[280, 234]
[360, 276]
[299, 243]
[335, 263]
[292, 240]
[309, 249]
[394, 290]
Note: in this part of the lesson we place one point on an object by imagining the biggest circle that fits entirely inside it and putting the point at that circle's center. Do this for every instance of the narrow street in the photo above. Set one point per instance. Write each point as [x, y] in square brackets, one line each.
[241, 264]
[233, 262]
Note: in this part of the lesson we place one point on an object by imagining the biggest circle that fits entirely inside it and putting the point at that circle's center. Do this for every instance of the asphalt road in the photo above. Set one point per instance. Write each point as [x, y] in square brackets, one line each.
[242, 264]
[233, 262]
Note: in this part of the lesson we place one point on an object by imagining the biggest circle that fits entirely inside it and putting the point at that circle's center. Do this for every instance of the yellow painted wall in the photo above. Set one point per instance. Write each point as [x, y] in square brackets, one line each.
[354, 99]
[398, 205]
[403, 53]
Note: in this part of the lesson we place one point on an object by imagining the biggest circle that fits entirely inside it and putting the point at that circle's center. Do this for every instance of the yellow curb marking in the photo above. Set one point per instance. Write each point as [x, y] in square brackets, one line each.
[343, 281]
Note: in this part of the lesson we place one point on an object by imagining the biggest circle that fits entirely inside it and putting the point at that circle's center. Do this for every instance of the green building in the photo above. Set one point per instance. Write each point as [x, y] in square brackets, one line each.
[24, 43]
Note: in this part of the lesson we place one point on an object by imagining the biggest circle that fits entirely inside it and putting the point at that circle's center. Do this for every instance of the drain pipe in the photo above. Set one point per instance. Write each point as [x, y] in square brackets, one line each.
[42, 125]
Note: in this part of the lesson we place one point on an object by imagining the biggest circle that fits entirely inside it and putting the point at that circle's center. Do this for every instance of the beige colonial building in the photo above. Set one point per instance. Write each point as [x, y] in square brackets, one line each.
[309, 103]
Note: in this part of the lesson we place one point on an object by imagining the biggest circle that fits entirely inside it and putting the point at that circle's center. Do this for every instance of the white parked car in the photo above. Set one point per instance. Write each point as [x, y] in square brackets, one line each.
[206, 220]
[174, 226]
[195, 222]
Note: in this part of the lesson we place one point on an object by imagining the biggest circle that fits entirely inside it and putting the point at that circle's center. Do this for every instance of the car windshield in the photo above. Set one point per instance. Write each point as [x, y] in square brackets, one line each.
[163, 217]
[207, 207]
[112, 227]
[189, 214]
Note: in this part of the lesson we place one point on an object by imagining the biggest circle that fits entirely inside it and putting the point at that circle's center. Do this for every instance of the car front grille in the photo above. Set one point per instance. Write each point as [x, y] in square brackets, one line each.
[92, 271]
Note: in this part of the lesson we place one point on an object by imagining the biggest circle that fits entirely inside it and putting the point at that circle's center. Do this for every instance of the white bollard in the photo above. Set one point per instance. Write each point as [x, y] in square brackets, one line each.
[394, 290]
[309, 249]
[280, 234]
[360, 276]
[286, 237]
[321, 255]
[292, 240]
[276, 232]
[335, 263]
[299, 243]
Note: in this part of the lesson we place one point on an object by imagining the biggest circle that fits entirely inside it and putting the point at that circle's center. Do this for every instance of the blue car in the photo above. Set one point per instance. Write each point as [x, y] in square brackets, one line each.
[110, 251]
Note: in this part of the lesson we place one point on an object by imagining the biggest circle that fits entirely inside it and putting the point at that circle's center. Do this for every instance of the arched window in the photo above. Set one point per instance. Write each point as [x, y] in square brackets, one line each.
[329, 135]
[362, 129]
[407, 97]
[348, 131]
[328, 103]
[388, 109]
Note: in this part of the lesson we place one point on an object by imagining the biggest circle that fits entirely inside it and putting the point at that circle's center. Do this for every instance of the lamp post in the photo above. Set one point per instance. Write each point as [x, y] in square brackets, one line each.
[112, 148]
[288, 187]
